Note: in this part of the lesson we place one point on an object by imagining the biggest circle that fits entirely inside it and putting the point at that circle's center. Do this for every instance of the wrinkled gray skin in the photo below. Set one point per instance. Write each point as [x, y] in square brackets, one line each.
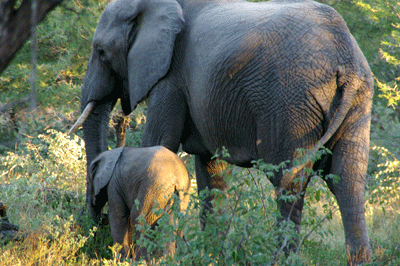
[260, 79]
[124, 175]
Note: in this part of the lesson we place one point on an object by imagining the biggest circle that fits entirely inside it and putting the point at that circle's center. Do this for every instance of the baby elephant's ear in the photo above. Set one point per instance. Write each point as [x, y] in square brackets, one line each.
[102, 168]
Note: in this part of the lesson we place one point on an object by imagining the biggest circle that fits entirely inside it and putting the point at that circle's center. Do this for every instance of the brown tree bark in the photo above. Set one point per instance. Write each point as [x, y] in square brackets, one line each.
[120, 125]
[15, 25]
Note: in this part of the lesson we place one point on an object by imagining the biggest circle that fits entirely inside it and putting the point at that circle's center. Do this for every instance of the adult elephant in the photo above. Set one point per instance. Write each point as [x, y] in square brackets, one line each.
[260, 79]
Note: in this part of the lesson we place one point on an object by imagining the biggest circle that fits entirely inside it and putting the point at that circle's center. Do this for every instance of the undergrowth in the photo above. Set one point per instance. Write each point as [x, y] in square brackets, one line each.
[44, 188]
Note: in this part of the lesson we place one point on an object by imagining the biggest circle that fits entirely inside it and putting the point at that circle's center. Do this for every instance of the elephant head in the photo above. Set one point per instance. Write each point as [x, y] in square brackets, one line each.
[132, 50]
[99, 175]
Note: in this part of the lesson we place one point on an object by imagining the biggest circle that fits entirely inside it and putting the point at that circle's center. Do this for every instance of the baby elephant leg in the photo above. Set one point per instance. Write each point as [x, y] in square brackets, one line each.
[136, 212]
[147, 201]
[170, 245]
[139, 252]
[184, 198]
[120, 224]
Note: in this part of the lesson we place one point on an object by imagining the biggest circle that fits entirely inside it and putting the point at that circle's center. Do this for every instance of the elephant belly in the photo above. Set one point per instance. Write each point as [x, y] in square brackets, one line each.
[225, 126]
[256, 122]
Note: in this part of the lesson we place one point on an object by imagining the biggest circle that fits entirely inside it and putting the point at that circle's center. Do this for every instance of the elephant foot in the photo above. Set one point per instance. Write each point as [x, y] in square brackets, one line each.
[358, 257]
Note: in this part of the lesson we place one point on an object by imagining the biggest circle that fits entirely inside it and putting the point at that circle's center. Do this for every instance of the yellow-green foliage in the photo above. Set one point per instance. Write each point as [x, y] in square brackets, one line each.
[53, 159]
[385, 186]
[43, 178]
[54, 244]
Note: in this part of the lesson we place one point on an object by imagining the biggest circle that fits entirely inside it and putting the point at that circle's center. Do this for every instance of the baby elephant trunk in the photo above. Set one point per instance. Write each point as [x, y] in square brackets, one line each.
[96, 206]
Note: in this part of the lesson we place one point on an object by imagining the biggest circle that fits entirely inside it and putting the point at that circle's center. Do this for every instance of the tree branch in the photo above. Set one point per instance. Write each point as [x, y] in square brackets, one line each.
[15, 25]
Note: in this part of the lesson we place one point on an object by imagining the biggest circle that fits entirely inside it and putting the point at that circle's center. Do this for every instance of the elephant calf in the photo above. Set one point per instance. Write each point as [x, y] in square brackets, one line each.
[124, 175]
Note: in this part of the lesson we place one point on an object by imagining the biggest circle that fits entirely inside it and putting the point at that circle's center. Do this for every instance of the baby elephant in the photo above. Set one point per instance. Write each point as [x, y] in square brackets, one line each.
[124, 175]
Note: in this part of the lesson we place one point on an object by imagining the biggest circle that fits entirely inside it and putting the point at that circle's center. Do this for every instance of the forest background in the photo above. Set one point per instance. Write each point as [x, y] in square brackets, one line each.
[42, 170]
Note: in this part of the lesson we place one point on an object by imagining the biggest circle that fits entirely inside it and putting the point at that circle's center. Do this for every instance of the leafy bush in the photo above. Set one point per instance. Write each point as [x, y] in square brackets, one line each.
[44, 177]
[384, 189]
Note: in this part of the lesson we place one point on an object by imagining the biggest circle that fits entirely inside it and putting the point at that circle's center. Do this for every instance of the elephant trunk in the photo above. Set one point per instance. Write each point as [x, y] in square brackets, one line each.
[95, 132]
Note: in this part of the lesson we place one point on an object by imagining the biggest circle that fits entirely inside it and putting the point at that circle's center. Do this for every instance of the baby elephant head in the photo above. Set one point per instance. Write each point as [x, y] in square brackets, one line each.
[100, 172]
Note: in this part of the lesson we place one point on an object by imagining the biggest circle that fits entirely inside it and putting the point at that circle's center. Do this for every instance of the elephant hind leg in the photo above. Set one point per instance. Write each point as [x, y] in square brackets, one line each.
[349, 162]
[148, 200]
[136, 212]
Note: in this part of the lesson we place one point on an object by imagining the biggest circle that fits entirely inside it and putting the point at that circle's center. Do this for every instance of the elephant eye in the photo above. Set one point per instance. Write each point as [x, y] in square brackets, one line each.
[102, 54]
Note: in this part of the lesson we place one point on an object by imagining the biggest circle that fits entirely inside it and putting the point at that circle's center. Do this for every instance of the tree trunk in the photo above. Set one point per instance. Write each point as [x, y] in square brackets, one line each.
[15, 25]
[120, 125]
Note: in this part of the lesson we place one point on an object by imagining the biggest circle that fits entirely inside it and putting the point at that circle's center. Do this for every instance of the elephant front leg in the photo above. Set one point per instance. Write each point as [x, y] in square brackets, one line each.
[121, 226]
[165, 117]
[208, 176]
[290, 194]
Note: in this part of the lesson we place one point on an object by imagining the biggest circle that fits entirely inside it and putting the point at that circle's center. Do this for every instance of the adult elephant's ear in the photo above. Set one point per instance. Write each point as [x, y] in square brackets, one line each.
[150, 54]
[102, 169]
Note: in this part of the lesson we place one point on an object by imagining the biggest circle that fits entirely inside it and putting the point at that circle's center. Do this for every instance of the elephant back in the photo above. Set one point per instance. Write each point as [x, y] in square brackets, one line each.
[173, 169]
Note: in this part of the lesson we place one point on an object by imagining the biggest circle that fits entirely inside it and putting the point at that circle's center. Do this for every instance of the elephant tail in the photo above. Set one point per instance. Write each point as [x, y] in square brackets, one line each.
[349, 89]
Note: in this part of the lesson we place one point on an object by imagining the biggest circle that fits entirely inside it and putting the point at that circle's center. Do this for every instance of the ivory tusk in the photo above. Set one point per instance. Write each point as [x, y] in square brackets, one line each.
[88, 109]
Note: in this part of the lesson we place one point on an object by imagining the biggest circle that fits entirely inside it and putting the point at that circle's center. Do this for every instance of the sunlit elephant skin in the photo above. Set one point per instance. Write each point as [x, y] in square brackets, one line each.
[260, 79]
[149, 176]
